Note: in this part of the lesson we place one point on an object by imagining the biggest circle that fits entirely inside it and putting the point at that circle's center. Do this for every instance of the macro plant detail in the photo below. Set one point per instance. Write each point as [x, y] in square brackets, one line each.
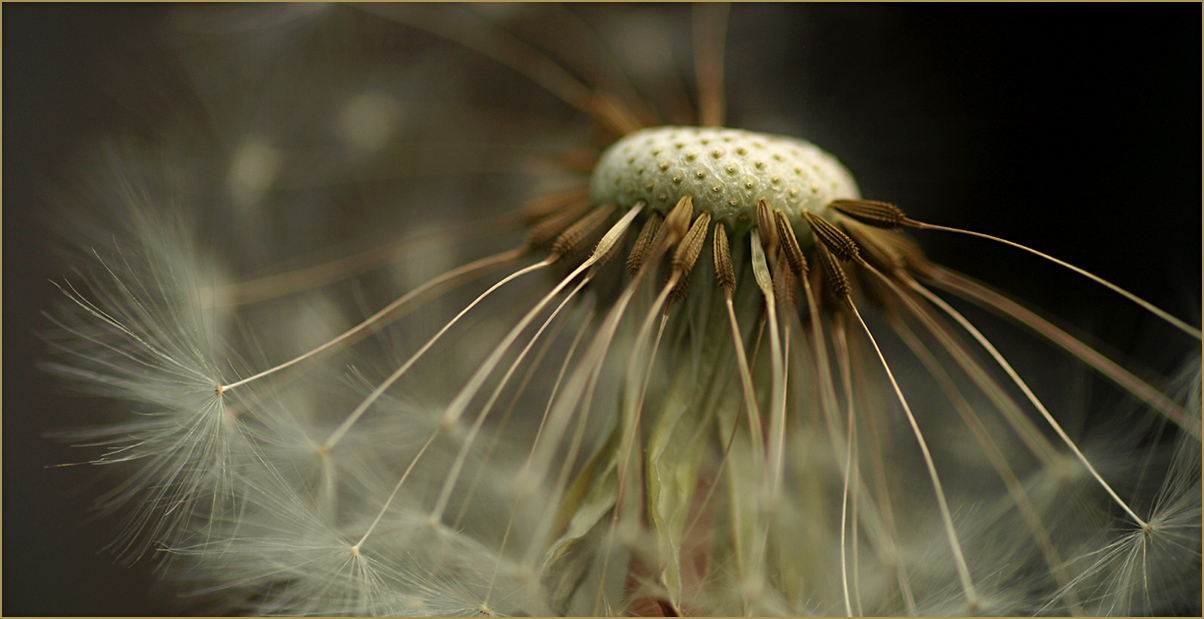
[691, 371]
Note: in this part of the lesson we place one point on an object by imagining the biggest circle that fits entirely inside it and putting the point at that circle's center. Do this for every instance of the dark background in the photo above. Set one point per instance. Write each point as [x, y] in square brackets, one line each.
[1072, 129]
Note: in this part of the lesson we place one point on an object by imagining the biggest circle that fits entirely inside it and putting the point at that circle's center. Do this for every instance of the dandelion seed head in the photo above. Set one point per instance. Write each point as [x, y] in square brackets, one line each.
[422, 427]
[725, 171]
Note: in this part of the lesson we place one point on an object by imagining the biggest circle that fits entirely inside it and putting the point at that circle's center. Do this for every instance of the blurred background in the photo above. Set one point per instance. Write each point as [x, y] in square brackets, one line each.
[1073, 130]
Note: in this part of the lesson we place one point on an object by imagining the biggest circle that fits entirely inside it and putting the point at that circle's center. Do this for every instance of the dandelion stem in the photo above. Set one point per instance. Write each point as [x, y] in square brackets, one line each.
[844, 503]
[638, 385]
[828, 394]
[581, 384]
[608, 240]
[823, 367]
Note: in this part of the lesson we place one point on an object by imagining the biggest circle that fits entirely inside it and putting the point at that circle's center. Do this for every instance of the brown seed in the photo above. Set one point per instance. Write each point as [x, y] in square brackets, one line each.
[790, 247]
[832, 237]
[785, 288]
[691, 245]
[568, 240]
[767, 228]
[724, 271]
[676, 224]
[870, 212]
[642, 243]
[678, 293]
[834, 275]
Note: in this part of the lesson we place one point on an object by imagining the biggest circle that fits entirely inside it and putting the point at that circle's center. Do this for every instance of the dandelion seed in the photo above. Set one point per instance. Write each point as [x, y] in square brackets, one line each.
[606, 415]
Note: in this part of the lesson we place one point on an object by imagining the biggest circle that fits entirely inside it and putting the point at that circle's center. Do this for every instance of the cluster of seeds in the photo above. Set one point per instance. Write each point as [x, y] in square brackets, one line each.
[741, 182]
[644, 172]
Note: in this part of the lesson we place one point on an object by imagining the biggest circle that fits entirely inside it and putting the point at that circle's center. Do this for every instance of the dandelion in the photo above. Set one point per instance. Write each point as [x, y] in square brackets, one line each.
[693, 371]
